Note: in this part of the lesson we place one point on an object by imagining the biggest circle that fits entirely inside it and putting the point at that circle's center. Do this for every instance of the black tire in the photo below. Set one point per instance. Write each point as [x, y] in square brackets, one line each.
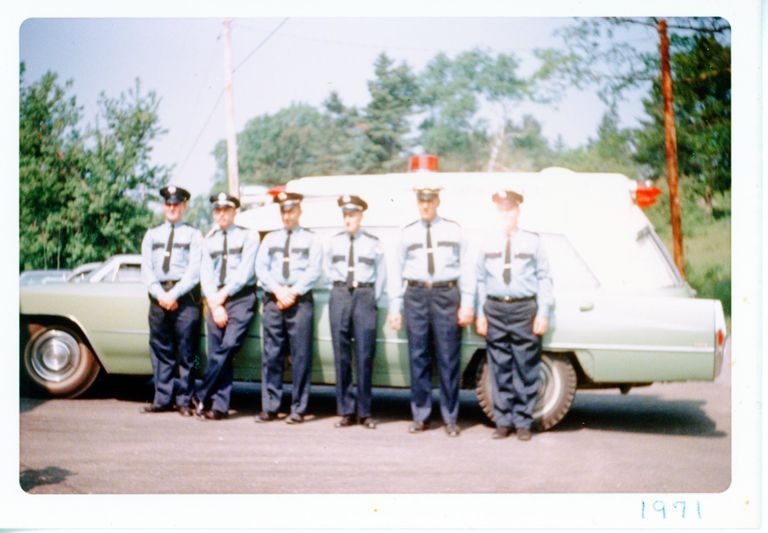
[556, 390]
[59, 363]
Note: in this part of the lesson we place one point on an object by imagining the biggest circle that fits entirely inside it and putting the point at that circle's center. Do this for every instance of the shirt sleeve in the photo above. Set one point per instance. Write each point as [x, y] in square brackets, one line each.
[247, 264]
[147, 272]
[191, 275]
[544, 297]
[395, 283]
[480, 276]
[206, 271]
[467, 276]
[381, 270]
[263, 273]
[308, 278]
[328, 261]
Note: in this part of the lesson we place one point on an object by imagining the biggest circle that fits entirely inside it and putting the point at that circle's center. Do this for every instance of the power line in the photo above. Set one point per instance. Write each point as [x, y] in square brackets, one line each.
[262, 43]
[221, 92]
[205, 124]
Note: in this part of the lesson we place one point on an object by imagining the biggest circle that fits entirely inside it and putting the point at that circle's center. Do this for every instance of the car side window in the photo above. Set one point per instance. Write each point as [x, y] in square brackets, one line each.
[568, 268]
[128, 273]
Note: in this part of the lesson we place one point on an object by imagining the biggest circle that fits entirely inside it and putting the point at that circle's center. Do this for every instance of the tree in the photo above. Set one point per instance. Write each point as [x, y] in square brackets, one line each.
[272, 149]
[702, 103]
[394, 91]
[84, 192]
[456, 93]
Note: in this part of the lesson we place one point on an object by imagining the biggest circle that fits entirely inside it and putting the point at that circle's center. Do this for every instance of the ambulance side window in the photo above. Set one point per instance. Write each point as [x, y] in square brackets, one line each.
[569, 271]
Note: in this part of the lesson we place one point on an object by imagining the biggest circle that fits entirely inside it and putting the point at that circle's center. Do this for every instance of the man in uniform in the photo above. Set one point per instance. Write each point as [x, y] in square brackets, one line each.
[288, 264]
[354, 263]
[435, 264]
[514, 303]
[229, 284]
[170, 269]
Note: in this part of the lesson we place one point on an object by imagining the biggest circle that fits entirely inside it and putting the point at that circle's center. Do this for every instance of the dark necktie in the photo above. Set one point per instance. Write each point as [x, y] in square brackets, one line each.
[508, 262]
[168, 248]
[351, 263]
[286, 257]
[223, 271]
[430, 255]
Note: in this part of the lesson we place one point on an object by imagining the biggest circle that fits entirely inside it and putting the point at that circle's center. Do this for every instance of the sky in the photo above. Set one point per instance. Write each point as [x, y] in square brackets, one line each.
[183, 61]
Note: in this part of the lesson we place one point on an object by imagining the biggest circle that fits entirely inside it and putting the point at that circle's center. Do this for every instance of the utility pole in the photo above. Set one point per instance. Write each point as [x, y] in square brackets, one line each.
[670, 145]
[232, 173]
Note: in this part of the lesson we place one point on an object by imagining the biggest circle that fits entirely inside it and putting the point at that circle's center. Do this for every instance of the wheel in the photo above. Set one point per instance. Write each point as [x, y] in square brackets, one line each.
[557, 387]
[57, 361]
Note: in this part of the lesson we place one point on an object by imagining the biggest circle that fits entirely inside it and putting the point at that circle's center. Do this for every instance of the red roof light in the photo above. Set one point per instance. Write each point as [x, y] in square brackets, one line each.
[423, 162]
[646, 194]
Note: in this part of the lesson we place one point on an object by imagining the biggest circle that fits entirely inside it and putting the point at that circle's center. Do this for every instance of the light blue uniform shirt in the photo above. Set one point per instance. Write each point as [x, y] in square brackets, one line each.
[369, 264]
[184, 267]
[242, 245]
[530, 270]
[452, 258]
[306, 256]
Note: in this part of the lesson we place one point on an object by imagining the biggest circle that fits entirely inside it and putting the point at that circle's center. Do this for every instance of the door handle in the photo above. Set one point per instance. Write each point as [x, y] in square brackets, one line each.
[586, 306]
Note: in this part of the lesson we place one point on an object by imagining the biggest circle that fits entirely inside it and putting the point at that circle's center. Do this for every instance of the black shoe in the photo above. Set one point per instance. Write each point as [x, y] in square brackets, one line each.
[501, 432]
[344, 421]
[452, 430]
[265, 417]
[418, 427]
[294, 418]
[523, 434]
[213, 414]
[155, 408]
[367, 422]
[185, 410]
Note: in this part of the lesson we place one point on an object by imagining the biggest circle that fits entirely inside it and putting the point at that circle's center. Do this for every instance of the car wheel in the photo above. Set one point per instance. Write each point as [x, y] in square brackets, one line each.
[58, 362]
[557, 388]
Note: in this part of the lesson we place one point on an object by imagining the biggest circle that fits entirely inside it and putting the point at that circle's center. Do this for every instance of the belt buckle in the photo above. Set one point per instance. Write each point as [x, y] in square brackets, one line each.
[428, 284]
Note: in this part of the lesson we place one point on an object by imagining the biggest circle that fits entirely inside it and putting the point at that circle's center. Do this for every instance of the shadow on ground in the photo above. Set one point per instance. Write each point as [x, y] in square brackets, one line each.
[639, 414]
[51, 475]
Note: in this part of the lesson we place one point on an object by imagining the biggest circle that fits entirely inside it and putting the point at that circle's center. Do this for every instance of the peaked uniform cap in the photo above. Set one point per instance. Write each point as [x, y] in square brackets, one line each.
[507, 198]
[427, 193]
[349, 202]
[224, 200]
[174, 195]
[288, 200]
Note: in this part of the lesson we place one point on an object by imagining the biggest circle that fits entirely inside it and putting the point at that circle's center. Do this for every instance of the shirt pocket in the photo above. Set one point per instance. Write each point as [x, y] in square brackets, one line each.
[180, 254]
[449, 253]
[299, 258]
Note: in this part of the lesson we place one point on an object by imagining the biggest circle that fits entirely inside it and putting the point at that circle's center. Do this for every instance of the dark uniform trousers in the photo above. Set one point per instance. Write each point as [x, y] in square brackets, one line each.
[430, 318]
[353, 315]
[223, 345]
[171, 332]
[287, 330]
[514, 353]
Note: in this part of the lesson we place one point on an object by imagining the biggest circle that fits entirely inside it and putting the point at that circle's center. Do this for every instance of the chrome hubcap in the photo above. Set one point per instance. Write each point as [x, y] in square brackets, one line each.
[548, 387]
[55, 355]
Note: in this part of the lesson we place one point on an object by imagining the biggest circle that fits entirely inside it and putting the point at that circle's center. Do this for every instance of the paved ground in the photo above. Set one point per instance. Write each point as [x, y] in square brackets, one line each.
[663, 438]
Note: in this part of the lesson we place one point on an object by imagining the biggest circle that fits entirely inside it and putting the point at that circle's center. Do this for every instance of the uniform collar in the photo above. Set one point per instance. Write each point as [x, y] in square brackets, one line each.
[177, 225]
[432, 223]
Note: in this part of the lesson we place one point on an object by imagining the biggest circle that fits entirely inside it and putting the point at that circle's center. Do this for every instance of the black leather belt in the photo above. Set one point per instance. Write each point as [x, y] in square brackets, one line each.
[509, 299]
[168, 285]
[355, 285]
[432, 284]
